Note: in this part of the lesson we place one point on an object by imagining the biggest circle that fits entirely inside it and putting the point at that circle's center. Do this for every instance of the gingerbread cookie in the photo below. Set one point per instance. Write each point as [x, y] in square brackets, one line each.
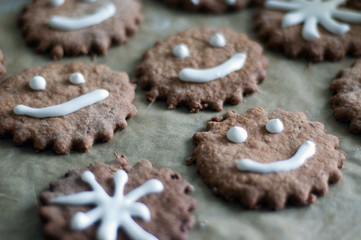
[74, 27]
[141, 202]
[267, 159]
[316, 30]
[212, 6]
[2, 67]
[65, 106]
[202, 68]
[347, 98]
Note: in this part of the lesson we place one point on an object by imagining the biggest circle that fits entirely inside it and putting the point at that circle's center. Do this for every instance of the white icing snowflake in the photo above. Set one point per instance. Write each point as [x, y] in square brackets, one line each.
[312, 12]
[113, 212]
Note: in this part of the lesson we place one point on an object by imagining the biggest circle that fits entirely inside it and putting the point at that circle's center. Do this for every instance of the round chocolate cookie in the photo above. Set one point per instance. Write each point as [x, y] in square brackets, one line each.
[2, 67]
[74, 27]
[212, 6]
[65, 106]
[267, 159]
[128, 203]
[202, 68]
[297, 29]
[346, 101]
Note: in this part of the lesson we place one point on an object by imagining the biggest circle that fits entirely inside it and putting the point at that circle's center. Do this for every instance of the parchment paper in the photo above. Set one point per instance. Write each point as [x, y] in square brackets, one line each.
[164, 137]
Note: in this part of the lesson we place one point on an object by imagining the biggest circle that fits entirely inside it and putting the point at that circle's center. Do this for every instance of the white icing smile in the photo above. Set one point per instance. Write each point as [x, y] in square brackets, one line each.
[235, 63]
[64, 23]
[306, 151]
[64, 108]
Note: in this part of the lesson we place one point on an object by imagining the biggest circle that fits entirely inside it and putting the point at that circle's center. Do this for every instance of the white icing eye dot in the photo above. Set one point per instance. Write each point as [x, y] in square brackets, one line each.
[230, 2]
[195, 2]
[181, 51]
[218, 40]
[37, 83]
[57, 3]
[77, 78]
[237, 134]
[274, 126]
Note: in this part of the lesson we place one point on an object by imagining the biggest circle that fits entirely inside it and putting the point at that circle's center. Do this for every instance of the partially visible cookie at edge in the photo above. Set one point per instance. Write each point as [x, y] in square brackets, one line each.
[75, 27]
[282, 26]
[159, 208]
[240, 158]
[346, 99]
[2, 67]
[66, 107]
[212, 6]
[202, 68]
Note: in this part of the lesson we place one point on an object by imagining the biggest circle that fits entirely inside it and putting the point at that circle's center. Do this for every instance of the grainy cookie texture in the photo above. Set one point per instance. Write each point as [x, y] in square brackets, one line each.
[160, 68]
[212, 6]
[2, 67]
[268, 25]
[170, 209]
[78, 130]
[95, 39]
[346, 101]
[216, 158]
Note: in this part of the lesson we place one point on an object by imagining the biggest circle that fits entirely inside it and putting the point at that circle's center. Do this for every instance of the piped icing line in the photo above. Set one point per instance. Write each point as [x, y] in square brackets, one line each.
[112, 212]
[305, 152]
[64, 108]
[235, 63]
[64, 23]
[313, 13]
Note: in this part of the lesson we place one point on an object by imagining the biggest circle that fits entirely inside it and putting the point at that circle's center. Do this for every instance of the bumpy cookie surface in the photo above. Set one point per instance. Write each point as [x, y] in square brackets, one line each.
[159, 71]
[77, 130]
[331, 32]
[212, 6]
[218, 158]
[114, 21]
[2, 67]
[346, 101]
[170, 216]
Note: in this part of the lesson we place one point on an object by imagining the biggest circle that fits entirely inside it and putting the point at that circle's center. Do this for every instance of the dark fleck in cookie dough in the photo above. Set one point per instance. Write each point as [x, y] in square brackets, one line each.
[94, 39]
[160, 68]
[292, 39]
[346, 101]
[77, 130]
[2, 67]
[212, 6]
[217, 159]
[170, 216]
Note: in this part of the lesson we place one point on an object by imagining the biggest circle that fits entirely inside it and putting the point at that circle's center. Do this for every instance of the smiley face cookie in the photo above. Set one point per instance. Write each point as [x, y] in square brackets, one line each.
[267, 159]
[346, 89]
[79, 27]
[139, 202]
[212, 6]
[202, 68]
[65, 106]
[2, 67]
[316, 30]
